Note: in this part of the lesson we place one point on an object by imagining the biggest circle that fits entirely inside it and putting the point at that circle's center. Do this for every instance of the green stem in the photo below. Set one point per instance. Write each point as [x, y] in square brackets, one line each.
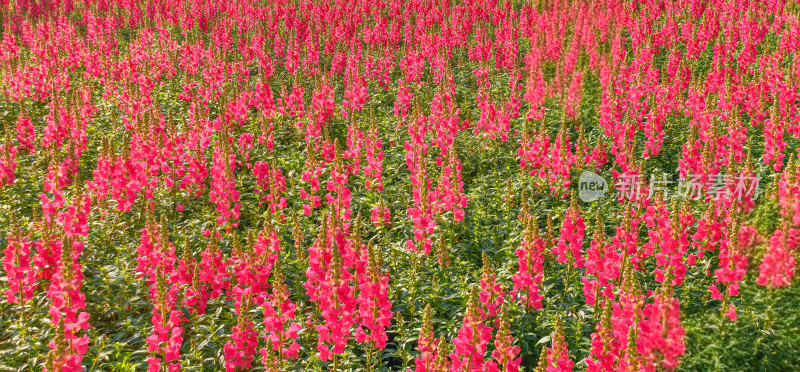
[567, 277]
[370, 361]
[99, 350]
[280, 349]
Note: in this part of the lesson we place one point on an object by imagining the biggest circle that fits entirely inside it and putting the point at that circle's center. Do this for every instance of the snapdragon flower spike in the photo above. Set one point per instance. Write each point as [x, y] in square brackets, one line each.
[505, 353]
[262, 258]
[195, 295]
[26, 133]
[661, 336]
[710, 231]
[488, 122]
[323, 107]
[271, 186]
[680, 239]
[279, 323]
[355, 91]
[421, 212]
[441, 363]
[48, 250]
[773, 131]
[425, 342]
[328, 286]
[245, 147]
[339, 196]
[213, 270]
[777, 268]
[374, 308]
[243, 268]
[600, 265]
[605, 352]
[380, 215]
[373, 171]
[8, 163]
[626, 312]
[145, 158]
[559, 162]
[491, 294]
[297, 235]
[17, 264]
[443, 252]
[444, 116]
[449, 193]
[533, 152]
[570, 242]
[319, 258]
[625, 241]
[337, 305]
[574, 96]
[196, 143]
[58, 124]
[355, 143]
[530, 265]
[223, 191]
[733, 261]
[473, 338]
[67, 348]
[100, 184]
[434, 359]
[598, 157]
[558, 354]
[663, 243]
[733, 264]
[535, 93]
[157, 265]
[166, 339]
[788, 188]
[241, 349]
[127, 180]
[294, 104]
[314, 167]
[64, 292]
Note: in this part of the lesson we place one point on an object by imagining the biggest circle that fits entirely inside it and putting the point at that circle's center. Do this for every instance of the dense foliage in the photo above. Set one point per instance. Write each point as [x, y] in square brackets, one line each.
[393, 185]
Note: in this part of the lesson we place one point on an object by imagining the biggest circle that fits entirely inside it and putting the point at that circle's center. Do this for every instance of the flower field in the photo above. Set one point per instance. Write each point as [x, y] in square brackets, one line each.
[406, 185]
